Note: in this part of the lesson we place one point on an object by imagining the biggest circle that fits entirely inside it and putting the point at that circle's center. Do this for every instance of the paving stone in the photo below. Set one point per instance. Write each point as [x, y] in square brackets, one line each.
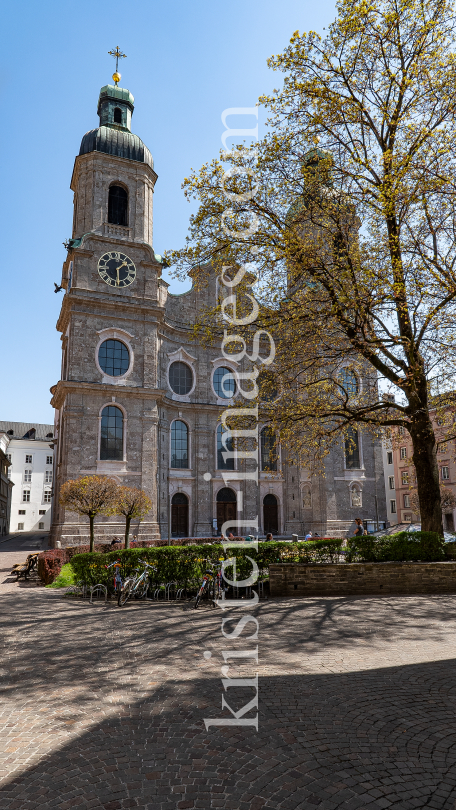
[104, 709]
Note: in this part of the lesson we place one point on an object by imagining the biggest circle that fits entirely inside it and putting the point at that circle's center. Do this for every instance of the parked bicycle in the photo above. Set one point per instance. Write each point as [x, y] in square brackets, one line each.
[212, 582]
[137, 585]
[118, 582]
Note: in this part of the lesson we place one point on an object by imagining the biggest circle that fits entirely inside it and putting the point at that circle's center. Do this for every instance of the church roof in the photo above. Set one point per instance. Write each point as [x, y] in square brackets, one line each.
[116, 142]
[19, 430]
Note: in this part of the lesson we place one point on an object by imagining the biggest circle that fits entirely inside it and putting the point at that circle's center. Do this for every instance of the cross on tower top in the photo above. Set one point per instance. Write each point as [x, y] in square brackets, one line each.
[117, 54]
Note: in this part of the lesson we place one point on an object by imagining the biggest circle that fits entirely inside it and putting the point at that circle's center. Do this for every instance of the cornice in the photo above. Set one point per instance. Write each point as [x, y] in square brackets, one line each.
[64, 387]
[89, 299]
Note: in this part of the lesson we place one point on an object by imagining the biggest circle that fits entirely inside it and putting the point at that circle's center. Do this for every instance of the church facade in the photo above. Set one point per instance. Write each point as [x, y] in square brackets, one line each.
[139, 400]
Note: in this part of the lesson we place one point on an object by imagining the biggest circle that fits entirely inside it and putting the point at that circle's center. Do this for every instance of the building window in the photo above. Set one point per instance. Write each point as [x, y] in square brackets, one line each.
[42, 512]
[400, 431]
[403, 452]
[47, 496]
[389, 457]
[225, 445]
[352, 455]
[445, 473]
[407, 501]
[20, 527]
[114, 358]
[442, 447]
[391, 481]
[8, 456]
[179, 445]
[117, 115]
[25, 496]
[269, 454]
[393, 507]
[27, 476]
[28, 459]
[404, 477]
[180, 378]
[111, 442]
[9, 473]
[349, 382]
[48, 477]
[21, 511]
[118, 206]
[48, 459]
[41, 525]
[224, 383]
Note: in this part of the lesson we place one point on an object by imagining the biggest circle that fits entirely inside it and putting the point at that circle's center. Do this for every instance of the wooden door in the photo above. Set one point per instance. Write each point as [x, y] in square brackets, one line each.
[225, 511]
[271, 515]
[179, 520]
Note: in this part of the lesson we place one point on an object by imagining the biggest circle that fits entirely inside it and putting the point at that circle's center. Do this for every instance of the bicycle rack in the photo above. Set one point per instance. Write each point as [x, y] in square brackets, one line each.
[100, 589]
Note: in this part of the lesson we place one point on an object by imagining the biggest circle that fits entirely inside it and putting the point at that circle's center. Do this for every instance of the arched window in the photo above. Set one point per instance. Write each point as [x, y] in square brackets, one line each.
[180, 378]
[111, 441]
[225, 445]
[117, 115]
[224, 382]
[118, 206]
[349, 382]
[113, 357]
[179, 445]
[268, 447]
[352, 457]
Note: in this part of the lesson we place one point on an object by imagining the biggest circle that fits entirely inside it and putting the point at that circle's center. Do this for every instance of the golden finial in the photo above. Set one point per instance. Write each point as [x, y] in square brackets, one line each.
[117, 54]
[316, 140]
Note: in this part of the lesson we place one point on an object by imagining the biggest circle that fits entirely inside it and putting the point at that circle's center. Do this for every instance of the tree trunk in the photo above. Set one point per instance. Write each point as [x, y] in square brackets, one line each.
[127, 532]
[92, 538]
[427, 473]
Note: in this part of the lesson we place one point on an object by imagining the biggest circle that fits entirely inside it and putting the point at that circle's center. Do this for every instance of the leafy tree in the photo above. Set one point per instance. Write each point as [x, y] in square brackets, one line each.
[90, 495]
[132, 503]
[346, 210]
[447, 499]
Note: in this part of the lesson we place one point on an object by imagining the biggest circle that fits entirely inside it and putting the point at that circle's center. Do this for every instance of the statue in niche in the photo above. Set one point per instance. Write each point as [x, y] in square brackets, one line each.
[307, 499]
[356, 497]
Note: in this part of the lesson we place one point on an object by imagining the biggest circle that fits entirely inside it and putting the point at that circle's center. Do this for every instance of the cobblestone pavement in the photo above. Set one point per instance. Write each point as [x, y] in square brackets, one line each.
[104, 707]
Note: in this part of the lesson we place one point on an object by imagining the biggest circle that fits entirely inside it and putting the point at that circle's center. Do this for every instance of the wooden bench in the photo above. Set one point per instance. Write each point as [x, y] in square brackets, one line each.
[25, 568]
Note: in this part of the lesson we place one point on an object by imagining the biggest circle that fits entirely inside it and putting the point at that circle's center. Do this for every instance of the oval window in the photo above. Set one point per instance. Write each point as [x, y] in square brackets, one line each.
[224, 383]
[114, 358]
[180, 378]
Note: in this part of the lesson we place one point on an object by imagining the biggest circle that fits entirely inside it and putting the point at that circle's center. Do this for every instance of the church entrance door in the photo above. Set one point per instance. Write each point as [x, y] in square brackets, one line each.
[226, 506]
[179, 515]
[270, 514]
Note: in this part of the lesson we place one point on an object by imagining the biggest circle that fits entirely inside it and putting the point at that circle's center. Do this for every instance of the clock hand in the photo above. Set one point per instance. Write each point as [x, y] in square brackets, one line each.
[124, 264]
[117, 282]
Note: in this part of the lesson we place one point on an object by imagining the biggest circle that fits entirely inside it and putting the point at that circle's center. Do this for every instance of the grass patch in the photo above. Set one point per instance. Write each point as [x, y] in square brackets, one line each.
[64, 579]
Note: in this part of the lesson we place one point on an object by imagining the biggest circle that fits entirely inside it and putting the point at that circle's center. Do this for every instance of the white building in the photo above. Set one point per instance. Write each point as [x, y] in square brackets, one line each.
[30, 449]
[390, 484]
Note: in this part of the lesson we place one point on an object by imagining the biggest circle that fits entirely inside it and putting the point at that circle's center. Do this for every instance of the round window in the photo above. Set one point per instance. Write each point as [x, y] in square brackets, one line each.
[224, 384]
[114, 358]
[180, 378]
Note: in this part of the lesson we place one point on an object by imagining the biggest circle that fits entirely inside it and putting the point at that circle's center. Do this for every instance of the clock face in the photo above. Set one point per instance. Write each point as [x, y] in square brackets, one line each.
[116, 269]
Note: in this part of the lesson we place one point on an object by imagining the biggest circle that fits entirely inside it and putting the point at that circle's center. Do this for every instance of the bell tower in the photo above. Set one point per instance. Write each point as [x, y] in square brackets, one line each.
[107, 399]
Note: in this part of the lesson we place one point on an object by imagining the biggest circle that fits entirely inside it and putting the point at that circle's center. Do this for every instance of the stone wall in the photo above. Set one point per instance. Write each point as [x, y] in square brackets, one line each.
[351, 579]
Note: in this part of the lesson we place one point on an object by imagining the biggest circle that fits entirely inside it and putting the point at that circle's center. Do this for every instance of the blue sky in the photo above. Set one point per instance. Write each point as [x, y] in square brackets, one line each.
[187, 62]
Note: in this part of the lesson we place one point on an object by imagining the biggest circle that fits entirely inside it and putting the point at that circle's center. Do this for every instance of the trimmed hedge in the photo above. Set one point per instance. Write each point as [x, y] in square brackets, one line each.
[400, 547]
[184, 564]
[50, 564]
